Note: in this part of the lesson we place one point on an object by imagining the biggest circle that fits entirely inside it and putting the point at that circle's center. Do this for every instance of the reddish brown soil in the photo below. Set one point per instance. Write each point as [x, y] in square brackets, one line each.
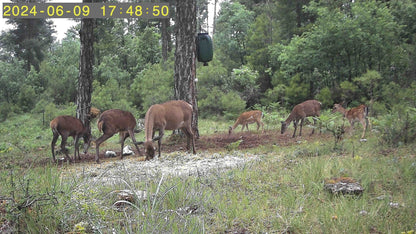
[218, 142]
[206, 143]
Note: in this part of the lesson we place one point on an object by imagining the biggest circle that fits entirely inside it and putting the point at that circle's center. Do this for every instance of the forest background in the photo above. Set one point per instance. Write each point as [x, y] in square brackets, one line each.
[267, 54]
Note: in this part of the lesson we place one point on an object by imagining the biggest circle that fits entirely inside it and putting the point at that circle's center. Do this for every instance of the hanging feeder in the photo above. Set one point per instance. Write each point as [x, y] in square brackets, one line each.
[204, 48]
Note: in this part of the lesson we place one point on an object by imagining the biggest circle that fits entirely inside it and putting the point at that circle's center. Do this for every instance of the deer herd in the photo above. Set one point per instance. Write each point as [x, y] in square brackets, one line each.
[173, 115]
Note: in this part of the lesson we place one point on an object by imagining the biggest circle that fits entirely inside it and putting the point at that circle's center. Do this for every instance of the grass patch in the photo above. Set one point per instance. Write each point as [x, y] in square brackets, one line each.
[283, 191]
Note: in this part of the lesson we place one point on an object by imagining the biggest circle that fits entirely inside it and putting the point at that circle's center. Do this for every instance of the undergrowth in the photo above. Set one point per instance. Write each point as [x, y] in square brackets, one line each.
[281, 192]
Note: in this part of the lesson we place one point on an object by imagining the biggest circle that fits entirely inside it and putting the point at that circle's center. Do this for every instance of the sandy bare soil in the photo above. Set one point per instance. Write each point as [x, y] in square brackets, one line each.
[213, 155]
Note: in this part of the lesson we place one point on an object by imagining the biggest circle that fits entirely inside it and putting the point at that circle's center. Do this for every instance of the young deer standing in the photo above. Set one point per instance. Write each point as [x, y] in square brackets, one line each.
[170, 115]
[247, 118]
[66, 126]
[300, 112]
[356, 114]
[116, 121]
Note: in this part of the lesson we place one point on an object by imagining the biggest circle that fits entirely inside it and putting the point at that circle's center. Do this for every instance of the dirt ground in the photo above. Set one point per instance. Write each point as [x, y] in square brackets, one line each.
[219, 142]
[214, 155]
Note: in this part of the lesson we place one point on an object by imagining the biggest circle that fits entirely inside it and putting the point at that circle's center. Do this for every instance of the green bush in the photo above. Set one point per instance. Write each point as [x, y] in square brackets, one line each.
[110, 96]
[349, 91]
[232, 105]
[297, 91]
[244, 81]
[208, 102]
[7, 110]
[398, 127]
[153, 85]
[273, 114]
[325, 98]
[275, 94]
[218, 103]
[26, 98]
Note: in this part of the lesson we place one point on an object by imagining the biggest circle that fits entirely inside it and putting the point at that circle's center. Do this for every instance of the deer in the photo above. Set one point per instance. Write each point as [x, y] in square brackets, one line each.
[115, 121]
[171, 115]
[66, 126]
[300, 112]
[247, 118]
[94, 113]
[356, 114]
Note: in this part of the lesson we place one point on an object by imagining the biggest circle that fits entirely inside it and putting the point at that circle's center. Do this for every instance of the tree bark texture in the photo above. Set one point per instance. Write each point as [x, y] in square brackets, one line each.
[185, 56]
[85, 71]
[166, 39]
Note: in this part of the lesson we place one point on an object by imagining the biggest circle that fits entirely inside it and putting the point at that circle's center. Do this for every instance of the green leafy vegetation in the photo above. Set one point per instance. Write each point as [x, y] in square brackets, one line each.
[281, 191]
[265, 52]
[269, 56]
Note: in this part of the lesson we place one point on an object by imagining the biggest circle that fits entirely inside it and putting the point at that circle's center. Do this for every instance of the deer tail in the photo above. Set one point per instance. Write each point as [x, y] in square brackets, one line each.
[54, 127]
[100, 125]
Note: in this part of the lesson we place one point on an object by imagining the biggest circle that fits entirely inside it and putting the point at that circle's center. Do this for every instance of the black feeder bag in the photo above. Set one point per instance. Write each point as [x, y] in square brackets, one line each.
[204, 48]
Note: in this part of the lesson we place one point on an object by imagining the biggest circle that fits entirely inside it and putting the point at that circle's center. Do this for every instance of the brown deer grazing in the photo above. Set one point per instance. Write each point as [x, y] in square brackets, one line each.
[356, 114]
[247, 118]
[300, 112]
[170, 115]
[115, 121]
[66, 126]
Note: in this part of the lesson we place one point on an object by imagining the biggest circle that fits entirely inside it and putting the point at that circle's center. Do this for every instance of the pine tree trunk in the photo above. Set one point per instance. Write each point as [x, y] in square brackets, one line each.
[166, 39]
[185, 56]
[85, 71]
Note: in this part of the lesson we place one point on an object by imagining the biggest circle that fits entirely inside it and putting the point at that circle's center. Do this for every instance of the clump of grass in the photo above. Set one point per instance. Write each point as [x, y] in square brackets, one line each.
[282, 192]
[233, 146]
[398, 127]
[31, 194]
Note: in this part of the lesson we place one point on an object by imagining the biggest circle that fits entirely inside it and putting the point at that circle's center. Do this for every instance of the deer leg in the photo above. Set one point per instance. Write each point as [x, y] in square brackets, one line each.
[123, 137]
[301, 124]
[351, 127]
[159, 142]
[133, 138]
[314, 125]
[122, 146]
[368, 123]
[76, 139]
[54, 139]
[262, 127]
[188, 142]
[63, 142]
[97, 145]
[190, 136]
[364, 123]
[295, 124]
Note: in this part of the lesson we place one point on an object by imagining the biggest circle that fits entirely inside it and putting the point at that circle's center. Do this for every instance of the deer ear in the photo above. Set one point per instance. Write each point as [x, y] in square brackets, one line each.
[139, 143]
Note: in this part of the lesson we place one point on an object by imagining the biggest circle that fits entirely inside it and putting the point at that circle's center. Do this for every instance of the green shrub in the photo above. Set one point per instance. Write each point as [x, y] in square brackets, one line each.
[208, 103]
[275, 94]
[244, 81]
[398, 127]
[151, 86]
[297, 91]
[232, 105]
[26, 98]
[325, 97]
[5, 109]
[110, 96]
